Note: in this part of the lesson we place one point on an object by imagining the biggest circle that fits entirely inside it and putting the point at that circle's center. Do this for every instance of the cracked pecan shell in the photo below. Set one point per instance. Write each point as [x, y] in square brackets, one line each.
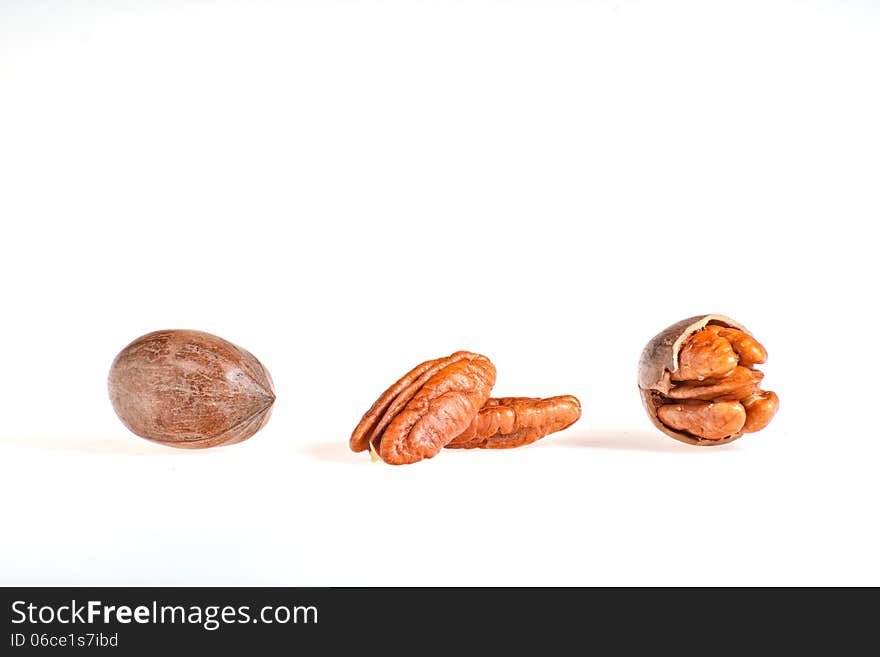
[698, 382]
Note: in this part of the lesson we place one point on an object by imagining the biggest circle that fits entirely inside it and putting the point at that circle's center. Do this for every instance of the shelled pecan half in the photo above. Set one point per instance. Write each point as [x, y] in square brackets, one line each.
[515, 421]
[426, 409]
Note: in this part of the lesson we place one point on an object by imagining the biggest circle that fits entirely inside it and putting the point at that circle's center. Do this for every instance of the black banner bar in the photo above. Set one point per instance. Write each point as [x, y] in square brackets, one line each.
[144, 620]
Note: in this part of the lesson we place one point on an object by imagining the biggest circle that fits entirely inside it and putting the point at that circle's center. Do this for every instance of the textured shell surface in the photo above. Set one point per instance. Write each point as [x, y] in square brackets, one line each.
[190, 389]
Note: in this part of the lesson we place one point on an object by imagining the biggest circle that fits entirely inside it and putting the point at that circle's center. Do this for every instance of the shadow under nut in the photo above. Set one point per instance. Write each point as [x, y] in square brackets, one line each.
[657, 388]
[190, 389]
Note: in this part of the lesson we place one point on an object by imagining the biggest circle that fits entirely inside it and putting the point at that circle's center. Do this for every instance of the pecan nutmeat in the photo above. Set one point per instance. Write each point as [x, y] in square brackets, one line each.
[426, 409]
[509, 422]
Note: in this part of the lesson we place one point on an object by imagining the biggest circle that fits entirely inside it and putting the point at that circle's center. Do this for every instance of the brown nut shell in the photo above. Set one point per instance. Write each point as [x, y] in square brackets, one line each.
[426, 409]
[190, 389]
[660, 358]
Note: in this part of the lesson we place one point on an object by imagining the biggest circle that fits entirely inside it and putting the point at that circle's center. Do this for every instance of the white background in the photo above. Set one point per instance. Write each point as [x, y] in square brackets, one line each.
[348, 189]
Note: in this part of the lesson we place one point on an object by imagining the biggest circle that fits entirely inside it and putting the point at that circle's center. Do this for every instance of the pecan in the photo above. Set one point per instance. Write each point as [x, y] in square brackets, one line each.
[190, 389]
[426, 409]
[709, 420]
[750, 351]
[738, 384]
[760, 409]
[699, 384]
[705, 355]
[514, 421]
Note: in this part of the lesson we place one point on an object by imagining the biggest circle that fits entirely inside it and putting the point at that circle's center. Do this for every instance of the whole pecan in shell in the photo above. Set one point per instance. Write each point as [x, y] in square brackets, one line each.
[426, 409]
[515, 421]
[698, 383]
[190, 389]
